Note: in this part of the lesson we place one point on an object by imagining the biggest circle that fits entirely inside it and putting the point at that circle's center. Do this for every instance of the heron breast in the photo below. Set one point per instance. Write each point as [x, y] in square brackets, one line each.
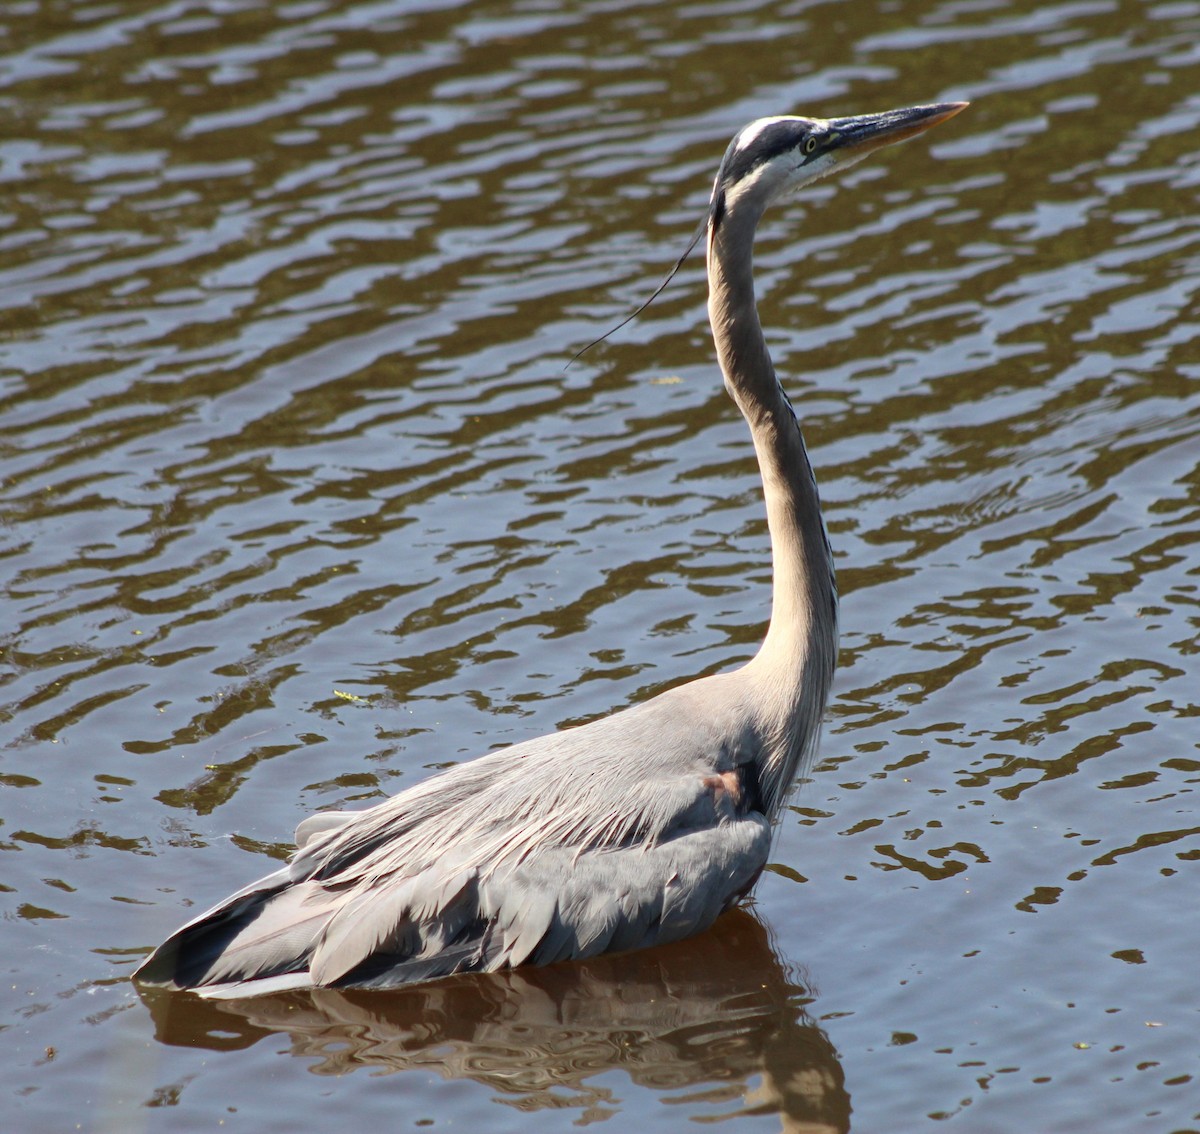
[734, 793]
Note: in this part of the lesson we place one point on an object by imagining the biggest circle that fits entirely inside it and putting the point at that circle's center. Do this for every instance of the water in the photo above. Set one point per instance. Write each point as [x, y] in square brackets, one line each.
[299, 505]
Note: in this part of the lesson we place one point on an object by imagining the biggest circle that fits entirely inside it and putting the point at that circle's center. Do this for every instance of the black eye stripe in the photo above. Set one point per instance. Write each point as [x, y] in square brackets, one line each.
[772, 140]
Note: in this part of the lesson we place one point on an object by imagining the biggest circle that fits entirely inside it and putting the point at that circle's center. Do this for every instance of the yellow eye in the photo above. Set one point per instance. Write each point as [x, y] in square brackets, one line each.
[810, 144]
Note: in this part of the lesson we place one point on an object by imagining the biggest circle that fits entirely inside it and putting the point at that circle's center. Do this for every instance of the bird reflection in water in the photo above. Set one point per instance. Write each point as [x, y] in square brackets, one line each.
[720, 1018]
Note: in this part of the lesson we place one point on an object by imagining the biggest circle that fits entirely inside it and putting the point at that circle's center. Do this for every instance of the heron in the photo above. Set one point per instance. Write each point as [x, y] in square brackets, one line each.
[635, 829]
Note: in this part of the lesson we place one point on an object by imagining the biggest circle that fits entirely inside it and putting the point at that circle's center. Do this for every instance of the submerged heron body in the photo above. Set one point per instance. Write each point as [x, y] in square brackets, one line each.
[635, 829]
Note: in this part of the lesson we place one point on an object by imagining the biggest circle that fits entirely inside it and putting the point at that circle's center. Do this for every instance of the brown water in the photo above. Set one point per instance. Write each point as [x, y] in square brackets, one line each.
[287, 290]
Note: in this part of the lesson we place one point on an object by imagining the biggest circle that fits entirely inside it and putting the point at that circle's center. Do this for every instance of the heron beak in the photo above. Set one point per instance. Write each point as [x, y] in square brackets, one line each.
[851, 139]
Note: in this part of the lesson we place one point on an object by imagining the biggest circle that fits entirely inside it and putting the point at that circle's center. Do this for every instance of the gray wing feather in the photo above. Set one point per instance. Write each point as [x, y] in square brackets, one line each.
[522, 913]
[413, 919]
[565, 906]
[607, 837]
[320, 824]
[197, 950]
[553, 905]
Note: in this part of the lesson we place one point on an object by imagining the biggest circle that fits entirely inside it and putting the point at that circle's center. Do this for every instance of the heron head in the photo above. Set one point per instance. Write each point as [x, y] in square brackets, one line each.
[774, 156]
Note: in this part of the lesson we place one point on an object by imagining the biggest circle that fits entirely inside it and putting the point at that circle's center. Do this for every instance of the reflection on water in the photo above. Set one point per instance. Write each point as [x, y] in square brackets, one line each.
[719, 1021]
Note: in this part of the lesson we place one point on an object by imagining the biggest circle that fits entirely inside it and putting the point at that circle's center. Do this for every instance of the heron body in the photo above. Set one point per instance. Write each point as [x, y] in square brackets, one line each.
[636, 829]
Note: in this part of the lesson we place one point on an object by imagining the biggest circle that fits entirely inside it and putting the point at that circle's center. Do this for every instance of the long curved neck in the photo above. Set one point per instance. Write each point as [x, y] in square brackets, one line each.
[798, 654]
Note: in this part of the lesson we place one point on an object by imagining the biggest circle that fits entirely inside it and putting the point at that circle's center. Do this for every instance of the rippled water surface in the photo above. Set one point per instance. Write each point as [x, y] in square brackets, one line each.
[299, 505]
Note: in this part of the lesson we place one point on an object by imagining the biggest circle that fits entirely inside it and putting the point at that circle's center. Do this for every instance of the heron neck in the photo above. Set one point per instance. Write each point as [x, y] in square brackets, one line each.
[801, 642]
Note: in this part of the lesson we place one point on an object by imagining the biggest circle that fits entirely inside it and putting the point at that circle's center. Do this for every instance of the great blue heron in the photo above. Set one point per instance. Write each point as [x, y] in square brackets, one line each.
[638, 828]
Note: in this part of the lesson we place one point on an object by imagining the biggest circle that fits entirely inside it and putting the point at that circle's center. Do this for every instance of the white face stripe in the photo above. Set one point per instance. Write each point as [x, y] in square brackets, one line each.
[767, 160]
[749, 133]
[790, 177]
[738, 190]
